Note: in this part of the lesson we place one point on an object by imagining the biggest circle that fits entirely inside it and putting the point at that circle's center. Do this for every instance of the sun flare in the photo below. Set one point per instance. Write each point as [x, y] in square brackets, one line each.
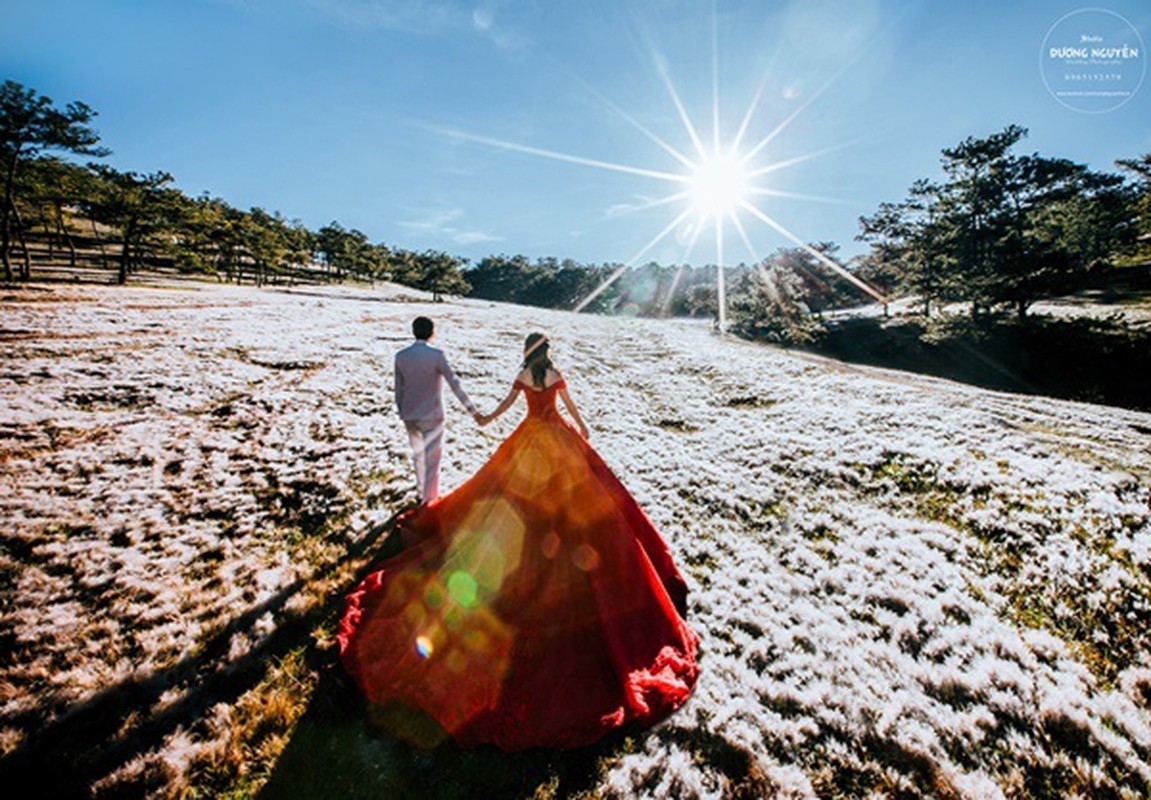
[718, 186]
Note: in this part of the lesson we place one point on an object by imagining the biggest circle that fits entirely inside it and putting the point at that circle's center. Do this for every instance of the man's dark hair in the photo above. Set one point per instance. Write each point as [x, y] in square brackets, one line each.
[423, 328]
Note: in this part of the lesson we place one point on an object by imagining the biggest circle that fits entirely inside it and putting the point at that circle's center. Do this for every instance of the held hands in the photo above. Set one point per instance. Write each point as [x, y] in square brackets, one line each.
[484, 419]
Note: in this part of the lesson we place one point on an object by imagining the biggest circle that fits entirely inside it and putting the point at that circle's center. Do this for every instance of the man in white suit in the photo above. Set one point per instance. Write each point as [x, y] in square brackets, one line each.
[420, 372]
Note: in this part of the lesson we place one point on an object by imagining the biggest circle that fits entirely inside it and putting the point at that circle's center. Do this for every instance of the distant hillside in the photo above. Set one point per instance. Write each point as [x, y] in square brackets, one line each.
[1093, 346]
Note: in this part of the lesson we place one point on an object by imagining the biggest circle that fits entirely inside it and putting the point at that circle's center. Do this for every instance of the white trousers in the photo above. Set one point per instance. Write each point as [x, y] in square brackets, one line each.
[427, 439]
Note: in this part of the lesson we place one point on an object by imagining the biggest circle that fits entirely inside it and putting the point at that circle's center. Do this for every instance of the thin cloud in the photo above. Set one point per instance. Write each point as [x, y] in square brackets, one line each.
[638, 203]
[502, 35]
[483, 18]
[433, 222]
[409, 16]
[427, 17]
[440, 224]
[475, 237]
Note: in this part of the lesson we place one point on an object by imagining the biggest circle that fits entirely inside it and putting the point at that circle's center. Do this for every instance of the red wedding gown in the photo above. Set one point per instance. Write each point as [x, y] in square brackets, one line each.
[538, 608]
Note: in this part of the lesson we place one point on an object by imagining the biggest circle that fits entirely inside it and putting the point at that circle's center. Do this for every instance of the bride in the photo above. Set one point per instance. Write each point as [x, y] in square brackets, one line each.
[539, 607]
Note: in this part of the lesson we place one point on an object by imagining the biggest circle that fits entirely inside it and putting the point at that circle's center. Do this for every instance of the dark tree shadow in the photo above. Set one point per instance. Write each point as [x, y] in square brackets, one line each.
[337, 750]
[1094, 360]
[66, 750]
[341, 747]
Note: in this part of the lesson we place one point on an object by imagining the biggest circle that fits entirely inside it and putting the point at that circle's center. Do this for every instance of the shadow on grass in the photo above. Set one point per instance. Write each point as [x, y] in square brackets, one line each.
[337, 751]
[1093, 360]
[66, 750]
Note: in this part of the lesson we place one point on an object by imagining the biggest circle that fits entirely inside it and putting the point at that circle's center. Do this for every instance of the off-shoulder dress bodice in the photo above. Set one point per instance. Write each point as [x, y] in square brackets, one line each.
[541, 402]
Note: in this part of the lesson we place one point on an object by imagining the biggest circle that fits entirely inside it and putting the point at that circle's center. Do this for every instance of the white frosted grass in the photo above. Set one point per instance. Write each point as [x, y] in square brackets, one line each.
[662, 771]
[847, 532]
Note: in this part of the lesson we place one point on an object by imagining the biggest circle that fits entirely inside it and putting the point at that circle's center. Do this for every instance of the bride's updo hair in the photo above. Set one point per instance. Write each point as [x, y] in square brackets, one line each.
[536, 357]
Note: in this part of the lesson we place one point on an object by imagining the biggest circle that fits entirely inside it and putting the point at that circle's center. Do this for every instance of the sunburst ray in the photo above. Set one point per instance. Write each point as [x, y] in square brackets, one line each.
[775, 166]
[659, 237]
[815, 198]
[662, 201]
[720, 282]
[674, 153]
[714, 78]
[683, 115]
[818, 256]
[738, 223]
[556, 156]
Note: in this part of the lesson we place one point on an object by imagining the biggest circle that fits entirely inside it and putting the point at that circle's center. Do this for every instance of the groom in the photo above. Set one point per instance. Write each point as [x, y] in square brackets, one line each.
[420, 372]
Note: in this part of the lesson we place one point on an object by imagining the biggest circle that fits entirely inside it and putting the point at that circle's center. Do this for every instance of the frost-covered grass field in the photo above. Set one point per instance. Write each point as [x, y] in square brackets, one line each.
[904, 587]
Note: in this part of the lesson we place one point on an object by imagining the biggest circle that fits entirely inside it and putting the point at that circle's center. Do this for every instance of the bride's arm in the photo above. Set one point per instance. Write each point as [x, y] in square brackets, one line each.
[502, 407]
[570, 405]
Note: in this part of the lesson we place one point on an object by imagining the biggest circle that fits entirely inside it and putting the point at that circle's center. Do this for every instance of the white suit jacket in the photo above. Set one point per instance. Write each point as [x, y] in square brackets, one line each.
[420, 372]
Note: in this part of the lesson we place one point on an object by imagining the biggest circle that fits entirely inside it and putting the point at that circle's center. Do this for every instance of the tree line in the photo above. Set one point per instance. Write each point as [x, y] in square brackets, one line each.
[1003, 230]
[57, 211]
[998, 230]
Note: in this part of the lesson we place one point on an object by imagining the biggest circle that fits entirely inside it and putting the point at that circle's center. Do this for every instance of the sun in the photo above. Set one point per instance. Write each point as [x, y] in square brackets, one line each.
[719, 185]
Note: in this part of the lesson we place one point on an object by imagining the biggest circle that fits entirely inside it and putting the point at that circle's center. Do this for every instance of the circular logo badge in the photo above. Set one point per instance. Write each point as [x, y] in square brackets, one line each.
[1093, 60]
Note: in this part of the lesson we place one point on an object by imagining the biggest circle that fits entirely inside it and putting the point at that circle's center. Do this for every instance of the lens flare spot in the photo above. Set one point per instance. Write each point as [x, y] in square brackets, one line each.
[550, 546]
[454, 617]
[433, 597]
[490, 544]
[531, 471]
[457, 661]
[415, 615]
[424, 646]
[478, 642]
[462, 588]
[586, 557]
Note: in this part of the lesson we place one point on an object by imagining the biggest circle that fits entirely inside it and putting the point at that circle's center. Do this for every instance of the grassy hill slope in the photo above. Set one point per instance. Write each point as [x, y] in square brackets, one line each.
[902, 585]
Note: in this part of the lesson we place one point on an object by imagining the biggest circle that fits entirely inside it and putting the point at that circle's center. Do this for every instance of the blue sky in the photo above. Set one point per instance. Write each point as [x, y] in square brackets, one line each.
[385, 115]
